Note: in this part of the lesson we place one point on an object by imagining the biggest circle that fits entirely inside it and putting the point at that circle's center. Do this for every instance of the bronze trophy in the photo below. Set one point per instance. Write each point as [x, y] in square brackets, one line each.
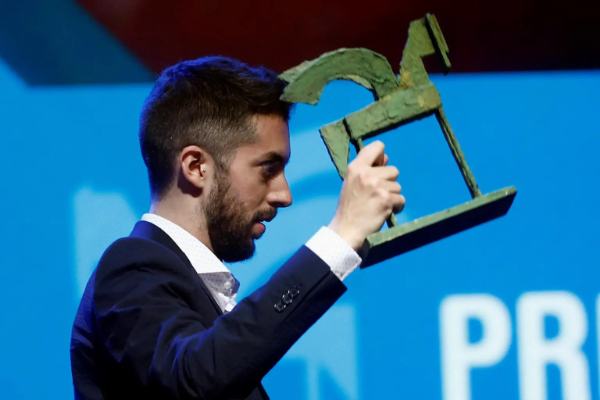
[399, 100]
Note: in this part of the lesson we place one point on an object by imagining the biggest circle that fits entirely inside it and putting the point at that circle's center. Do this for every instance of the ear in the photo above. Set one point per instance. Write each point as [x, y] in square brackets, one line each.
[196, 166]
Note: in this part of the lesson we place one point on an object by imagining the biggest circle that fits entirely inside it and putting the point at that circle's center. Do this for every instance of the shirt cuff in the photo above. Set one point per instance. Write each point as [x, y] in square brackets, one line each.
[334, 251]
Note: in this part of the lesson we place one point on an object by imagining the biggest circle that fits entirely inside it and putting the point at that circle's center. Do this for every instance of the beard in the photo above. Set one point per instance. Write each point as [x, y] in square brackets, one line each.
[229, 225]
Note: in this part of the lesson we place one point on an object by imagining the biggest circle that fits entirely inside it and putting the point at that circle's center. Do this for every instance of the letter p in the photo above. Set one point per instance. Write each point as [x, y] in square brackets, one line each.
[459, 355]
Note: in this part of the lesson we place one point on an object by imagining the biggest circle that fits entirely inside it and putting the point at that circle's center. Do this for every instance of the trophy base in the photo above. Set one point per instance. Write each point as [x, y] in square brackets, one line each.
[383, 245]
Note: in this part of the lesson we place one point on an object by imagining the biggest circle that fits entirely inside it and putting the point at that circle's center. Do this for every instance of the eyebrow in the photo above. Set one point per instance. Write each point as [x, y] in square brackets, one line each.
[274, 156]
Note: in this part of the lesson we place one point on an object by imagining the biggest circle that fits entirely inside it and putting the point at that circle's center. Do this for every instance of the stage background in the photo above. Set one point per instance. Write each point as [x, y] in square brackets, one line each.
[507, 310]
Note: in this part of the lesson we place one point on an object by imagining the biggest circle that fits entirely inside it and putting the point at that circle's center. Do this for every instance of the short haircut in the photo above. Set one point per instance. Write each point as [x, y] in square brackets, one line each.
[208, 102]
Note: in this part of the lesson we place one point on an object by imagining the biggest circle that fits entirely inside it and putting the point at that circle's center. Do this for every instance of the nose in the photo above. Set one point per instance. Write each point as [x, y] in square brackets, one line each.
[280, 196]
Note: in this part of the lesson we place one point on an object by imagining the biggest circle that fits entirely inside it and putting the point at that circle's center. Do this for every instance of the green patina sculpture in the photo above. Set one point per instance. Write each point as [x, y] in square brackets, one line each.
[399, 100]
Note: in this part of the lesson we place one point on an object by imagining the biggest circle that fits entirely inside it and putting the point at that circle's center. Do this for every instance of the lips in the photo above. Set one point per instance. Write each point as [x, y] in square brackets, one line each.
[261, 228]
[260, 220]
[267, 218]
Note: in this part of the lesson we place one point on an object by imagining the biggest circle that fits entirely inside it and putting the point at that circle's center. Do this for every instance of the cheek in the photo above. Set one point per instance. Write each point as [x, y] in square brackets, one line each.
[252, 192]
[247, 184]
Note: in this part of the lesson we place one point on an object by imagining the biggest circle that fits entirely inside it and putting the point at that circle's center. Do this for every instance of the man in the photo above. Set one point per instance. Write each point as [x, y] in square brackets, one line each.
[158, 319]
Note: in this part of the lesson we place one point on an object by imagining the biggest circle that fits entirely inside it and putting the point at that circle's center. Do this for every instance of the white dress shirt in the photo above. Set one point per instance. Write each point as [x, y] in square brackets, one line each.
[326, 244]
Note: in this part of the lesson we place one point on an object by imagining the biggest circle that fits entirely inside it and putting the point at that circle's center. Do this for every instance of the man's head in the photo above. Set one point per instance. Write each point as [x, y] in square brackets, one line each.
[215, 140]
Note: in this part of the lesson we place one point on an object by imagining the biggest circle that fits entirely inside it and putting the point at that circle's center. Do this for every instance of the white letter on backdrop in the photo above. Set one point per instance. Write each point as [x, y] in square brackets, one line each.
[564, 350]
[459, 356]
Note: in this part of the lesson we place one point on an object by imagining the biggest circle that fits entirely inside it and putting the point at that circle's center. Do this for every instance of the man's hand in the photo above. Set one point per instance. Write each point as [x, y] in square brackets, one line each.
[369, 195]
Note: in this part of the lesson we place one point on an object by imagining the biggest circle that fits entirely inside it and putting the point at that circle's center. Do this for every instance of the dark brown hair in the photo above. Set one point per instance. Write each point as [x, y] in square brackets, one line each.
[208, 102]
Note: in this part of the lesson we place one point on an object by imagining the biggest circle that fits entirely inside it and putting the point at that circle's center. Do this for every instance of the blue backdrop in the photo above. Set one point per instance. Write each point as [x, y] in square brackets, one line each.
[509, 309]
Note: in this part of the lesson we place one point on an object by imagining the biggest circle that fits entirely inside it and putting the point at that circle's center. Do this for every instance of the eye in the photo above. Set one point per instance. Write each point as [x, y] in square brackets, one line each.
[270, 169]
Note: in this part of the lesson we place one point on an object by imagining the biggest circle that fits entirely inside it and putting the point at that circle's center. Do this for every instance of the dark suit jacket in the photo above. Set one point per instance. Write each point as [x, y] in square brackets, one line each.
[148, 328]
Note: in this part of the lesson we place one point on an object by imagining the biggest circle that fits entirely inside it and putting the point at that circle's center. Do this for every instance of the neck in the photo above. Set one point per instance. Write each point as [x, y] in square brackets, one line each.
[184, 213]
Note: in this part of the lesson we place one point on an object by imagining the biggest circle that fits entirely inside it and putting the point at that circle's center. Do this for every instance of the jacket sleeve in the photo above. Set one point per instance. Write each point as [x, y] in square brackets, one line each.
[145, 322]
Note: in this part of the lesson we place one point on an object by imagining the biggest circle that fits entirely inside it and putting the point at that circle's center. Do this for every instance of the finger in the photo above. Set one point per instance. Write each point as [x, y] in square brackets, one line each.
[398, 209]
[391, 186]
[385, 159]
[372, 154]
[398, 202]
[387, 173]
[380, 160]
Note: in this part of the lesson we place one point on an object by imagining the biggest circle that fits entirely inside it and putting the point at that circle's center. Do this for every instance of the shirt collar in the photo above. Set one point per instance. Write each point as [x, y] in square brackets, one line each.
[202, 259]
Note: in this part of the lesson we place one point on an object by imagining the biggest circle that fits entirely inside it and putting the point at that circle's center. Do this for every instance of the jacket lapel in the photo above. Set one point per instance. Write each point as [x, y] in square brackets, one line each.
[147, 230]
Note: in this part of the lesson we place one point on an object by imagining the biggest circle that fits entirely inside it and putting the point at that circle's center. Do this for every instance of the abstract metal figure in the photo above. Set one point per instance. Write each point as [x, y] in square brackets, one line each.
[399, 100]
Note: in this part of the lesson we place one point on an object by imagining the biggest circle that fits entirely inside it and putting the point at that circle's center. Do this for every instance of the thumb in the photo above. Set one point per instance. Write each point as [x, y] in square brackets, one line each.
[372, 154]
